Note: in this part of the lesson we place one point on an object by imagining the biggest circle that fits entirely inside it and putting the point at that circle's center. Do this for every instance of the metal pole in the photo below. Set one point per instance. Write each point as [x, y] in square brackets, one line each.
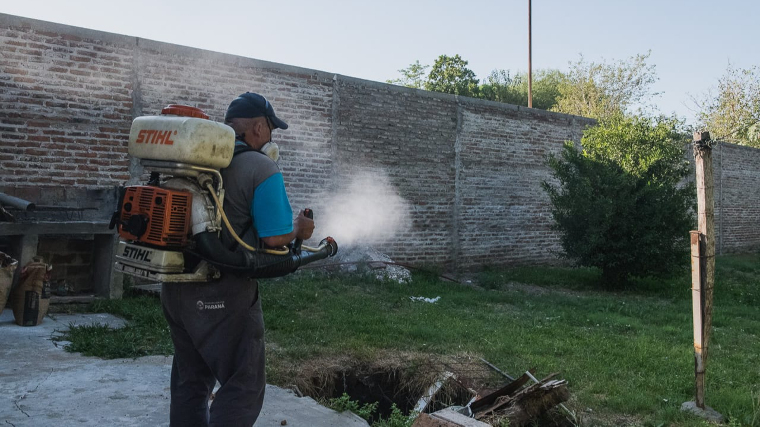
[530, 58]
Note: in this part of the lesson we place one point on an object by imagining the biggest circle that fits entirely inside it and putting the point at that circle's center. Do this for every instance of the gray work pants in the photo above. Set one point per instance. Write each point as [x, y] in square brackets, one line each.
[218, 334]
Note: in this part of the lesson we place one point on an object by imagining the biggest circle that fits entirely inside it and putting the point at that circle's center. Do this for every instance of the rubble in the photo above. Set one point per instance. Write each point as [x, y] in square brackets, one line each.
[516, 402]
[368, 259]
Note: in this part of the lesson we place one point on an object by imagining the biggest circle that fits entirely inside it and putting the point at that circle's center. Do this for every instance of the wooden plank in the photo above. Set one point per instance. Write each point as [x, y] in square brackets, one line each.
[504, 391]
[522, 408]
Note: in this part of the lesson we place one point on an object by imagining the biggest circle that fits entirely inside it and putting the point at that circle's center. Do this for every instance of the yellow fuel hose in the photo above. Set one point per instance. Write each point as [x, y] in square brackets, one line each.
[232, 232]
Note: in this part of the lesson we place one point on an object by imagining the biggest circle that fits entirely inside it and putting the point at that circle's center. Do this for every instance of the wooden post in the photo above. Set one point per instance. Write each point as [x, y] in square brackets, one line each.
[703, 292]
[697, 270]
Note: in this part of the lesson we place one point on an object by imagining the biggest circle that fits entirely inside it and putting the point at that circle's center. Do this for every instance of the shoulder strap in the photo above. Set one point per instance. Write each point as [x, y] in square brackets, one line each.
[241, 148]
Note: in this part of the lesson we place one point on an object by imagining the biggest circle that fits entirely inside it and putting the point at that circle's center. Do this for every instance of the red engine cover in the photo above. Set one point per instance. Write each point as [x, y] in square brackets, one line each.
[160, 216]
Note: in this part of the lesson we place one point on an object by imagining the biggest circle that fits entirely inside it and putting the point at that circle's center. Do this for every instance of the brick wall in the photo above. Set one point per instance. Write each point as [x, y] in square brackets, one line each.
[504, 214]
[468, 170]
[65, 105]
[408, 136]
[737, 198]
[71, 259]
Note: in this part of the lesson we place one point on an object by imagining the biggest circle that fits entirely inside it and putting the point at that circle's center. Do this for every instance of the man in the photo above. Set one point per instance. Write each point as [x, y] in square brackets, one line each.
[217, 327]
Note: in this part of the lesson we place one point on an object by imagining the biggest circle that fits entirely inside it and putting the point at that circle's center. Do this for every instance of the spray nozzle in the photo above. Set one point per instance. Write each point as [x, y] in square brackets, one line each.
[329, 241]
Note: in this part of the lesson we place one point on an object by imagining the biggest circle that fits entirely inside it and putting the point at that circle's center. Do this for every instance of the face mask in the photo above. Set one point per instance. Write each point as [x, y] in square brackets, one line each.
[272, 150]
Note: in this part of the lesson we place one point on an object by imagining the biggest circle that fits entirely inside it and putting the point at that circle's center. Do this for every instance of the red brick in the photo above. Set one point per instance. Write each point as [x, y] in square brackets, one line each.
[48, 34]
[38, 138]
[71, 37]
[19, 71]
[40, 179]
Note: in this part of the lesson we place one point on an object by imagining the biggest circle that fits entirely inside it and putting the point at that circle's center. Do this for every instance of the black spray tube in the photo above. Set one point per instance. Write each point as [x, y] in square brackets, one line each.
[258, 264]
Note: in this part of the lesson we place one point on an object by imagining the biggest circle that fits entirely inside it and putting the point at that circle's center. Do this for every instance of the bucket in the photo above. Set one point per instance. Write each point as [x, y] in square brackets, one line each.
[31, 298]
[7, 267]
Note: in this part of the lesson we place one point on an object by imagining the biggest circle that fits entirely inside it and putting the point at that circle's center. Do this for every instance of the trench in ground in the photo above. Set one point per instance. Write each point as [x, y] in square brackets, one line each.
[400, 381]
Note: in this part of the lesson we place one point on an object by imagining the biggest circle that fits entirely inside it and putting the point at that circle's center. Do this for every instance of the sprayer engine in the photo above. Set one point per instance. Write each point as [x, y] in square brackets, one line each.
[169, 228]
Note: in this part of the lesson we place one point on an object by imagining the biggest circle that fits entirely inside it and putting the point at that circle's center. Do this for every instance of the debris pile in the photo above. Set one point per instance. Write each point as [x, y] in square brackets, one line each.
[521, 404]
[359, 259]
[517, 403]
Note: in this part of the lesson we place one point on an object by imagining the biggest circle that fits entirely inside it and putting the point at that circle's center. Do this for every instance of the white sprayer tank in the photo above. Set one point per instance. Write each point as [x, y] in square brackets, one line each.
[182, 134]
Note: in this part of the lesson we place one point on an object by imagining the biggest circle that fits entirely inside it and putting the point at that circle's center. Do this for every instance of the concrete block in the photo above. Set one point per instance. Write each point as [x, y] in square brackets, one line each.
[708, 413]
[104, 250]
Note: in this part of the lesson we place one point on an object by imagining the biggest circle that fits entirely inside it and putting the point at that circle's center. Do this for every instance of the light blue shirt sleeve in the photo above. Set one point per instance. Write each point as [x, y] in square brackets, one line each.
[270, 210]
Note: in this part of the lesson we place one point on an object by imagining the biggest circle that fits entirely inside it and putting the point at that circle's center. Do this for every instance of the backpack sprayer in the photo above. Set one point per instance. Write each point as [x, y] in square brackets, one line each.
[170, 228]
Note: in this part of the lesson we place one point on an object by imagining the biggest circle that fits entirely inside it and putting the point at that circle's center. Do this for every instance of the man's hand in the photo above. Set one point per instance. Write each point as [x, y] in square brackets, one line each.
[303, 226]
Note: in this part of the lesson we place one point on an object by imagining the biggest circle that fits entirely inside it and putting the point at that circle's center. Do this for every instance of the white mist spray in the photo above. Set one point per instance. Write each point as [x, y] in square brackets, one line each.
[366, 210]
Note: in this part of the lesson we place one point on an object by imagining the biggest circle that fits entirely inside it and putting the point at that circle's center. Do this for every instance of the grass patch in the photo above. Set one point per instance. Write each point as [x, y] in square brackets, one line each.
[627, 355]
[146, 332]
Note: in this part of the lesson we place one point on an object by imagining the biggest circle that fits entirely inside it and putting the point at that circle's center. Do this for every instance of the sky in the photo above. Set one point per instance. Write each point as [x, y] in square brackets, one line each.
[691, 42]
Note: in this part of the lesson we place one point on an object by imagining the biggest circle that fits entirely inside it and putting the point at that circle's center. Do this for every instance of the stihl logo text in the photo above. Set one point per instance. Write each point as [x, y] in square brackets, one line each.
[137, 254]
[147, 136]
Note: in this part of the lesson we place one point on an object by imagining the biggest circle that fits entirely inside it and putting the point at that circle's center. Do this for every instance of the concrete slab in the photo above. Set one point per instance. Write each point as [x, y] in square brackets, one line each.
[41, 384]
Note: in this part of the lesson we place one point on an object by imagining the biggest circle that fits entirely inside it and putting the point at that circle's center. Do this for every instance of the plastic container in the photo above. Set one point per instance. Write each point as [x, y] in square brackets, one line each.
[184, 138]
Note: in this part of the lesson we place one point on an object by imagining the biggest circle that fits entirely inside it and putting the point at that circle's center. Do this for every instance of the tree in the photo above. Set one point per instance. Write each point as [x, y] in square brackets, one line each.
[617, 204]
[546, 85]
[501, 87]
[601, 90]
[734, 114]
[640, 146]
[413, 76]
[450, 74]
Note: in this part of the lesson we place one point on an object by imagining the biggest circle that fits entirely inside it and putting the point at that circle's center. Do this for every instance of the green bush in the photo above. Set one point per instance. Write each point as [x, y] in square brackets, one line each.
[396, 419]
[344, 403]
[618, 205]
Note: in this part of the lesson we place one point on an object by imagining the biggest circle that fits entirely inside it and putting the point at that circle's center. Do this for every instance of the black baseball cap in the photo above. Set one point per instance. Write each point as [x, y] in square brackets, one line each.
[250, 105]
